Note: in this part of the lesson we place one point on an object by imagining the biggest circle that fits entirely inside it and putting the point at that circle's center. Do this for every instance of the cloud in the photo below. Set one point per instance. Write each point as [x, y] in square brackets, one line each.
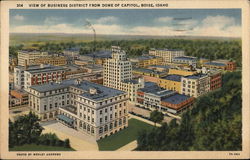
[218, 26]
[19, 17]
[218, 21]
[210, 26]
[106, 20]
[52, 20]
[164, 19]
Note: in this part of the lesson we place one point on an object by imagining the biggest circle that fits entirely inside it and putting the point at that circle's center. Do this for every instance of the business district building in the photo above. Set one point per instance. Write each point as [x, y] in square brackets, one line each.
[87, 107]
[24, 77]
[154, 97]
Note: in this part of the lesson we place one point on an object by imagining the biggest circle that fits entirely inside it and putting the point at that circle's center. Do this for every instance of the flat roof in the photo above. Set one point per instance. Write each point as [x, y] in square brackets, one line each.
[196, 76]
[100, 54]
[146, 57]
[165, 49]
[53, 86]
[103, 92]
[215, 64]
[147, 70]
[188, 58]
[173, 77]
[44, 69]
[160, 66]
[156, 90]
[93, 66]
[176, 98]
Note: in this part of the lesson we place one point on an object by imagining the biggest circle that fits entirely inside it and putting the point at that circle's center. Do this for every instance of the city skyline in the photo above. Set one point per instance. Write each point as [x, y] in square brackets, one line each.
[155, 22]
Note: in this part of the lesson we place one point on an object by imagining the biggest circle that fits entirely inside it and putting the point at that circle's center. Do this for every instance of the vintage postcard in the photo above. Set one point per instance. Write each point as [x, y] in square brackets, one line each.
[125, 79]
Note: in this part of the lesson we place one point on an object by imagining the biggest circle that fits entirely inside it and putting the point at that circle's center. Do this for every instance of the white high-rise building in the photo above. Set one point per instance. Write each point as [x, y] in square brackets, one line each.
[117, 69]
[118, 73]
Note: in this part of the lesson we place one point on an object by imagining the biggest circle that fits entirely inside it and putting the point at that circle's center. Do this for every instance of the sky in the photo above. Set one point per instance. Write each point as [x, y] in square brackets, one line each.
[155, 22]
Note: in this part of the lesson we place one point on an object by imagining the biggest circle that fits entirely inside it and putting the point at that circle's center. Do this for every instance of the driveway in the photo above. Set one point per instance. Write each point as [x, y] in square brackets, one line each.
[78, 140]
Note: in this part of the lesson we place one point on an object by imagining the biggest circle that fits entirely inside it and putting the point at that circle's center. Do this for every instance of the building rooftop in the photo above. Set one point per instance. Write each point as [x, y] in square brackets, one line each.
[160, 66]
[165, 49]
[93, 66]
[173, 77]
[53, 86]
[215, 64]
[197, 76]
[156, 90]
[44, 68]
[187, 58]
[100, 54]
[146, 57]
[102, 92]
[176, 98]
[147, 70]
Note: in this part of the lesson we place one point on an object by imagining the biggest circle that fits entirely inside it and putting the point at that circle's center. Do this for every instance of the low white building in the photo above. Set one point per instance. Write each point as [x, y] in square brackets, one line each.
[88, 107]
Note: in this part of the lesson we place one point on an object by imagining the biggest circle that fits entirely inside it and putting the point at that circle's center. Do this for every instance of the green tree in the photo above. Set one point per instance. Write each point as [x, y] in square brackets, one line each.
[26, 129]
[156, 116]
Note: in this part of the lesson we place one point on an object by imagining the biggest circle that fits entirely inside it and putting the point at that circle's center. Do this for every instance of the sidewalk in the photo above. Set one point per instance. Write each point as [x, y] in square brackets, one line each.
[129, 147]
[78, 141]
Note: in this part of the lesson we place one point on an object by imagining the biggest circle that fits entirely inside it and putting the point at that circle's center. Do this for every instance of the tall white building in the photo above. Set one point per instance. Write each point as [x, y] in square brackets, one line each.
[90, 108]
[118, 74]
[117, 69]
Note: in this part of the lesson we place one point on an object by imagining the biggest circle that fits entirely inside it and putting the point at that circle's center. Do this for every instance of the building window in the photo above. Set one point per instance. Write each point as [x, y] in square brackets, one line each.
[124, 120]
[62, 97]
[124, 110]
[111, 116]
[110, 125]
[106, 118]
[106, 128]
[62, 102]
[93, 112]
[88, 110]
[115, 114]
[45, 107]
[106, 110]
[55, 104]
[100, 130]
[120, 113]
[100, 111]
[93, 120]
[50, 106]
[100, 120]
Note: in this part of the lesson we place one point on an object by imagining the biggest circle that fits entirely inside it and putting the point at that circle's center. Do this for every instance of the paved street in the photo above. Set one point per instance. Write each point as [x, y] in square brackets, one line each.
[79, 141]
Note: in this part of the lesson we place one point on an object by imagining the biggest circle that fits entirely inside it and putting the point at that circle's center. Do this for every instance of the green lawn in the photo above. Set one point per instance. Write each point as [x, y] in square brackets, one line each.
[34, 147]
[124, 136]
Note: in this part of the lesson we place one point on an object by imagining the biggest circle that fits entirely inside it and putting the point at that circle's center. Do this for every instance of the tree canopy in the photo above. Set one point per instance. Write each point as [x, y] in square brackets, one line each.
[214, 123]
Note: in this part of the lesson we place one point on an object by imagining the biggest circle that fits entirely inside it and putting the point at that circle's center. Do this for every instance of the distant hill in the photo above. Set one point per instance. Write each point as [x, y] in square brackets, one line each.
[27, 38]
